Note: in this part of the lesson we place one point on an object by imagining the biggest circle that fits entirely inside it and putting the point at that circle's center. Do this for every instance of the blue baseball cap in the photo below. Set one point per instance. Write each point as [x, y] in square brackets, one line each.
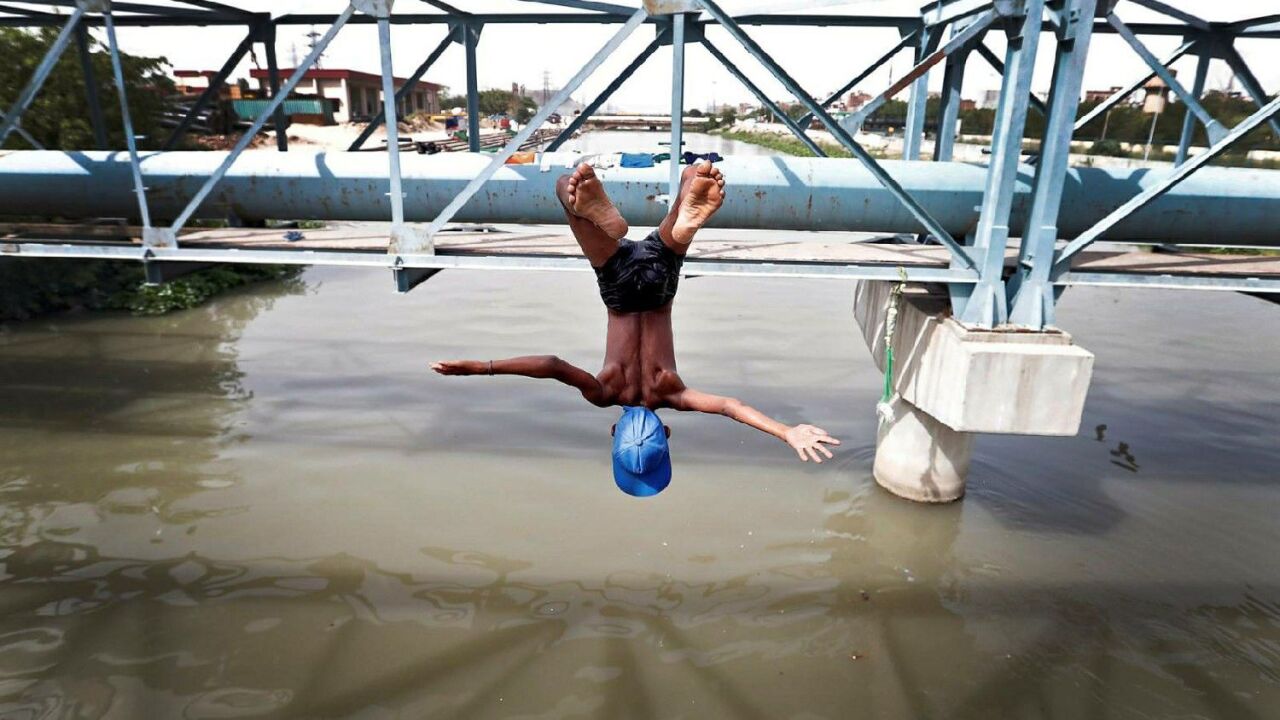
[641, 458]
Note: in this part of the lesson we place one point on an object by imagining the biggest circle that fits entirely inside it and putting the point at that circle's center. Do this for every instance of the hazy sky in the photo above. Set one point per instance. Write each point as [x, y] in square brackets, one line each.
[821, 59]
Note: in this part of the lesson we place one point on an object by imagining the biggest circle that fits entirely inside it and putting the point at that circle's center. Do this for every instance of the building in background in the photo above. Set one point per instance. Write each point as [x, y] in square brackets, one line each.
[989, 99]
[856, 100]
[1097, 96]
[195, 82]
[358, 95]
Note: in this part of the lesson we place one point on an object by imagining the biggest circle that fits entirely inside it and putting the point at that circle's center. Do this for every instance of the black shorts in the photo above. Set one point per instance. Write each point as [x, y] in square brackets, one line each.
[639, 276]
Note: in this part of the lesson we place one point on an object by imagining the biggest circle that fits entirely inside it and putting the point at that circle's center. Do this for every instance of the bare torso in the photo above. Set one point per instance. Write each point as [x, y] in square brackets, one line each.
[640, 360]
[640, 355]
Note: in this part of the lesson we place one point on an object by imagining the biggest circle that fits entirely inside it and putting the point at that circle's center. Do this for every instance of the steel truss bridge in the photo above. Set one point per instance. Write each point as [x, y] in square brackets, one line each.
[969, 213]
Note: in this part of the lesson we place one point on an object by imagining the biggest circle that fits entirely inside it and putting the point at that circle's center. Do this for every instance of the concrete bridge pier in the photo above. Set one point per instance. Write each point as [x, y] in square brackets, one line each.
[952, 382]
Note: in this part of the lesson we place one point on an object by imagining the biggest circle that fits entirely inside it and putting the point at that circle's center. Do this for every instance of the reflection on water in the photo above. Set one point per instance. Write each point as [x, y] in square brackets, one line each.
[266, 507]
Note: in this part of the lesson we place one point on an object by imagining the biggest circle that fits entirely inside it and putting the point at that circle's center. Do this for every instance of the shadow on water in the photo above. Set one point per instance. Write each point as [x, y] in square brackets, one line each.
[477, 635]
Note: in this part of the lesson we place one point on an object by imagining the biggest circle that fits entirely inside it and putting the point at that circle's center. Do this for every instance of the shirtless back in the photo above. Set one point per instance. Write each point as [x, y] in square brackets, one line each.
[638, 282]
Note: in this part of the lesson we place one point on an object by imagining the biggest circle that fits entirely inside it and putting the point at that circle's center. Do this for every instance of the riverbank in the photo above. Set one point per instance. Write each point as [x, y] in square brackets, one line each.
[33, 288]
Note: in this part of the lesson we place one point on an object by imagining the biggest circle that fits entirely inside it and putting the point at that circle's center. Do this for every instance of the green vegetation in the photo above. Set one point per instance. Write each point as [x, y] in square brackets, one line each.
[496, 102]
[29, 288]
[58, 118]
[788, 144]
[1107, 147]
[192, 290]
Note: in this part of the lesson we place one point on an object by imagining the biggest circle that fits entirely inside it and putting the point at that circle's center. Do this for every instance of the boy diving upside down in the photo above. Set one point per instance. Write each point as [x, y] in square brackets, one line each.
[638, 283]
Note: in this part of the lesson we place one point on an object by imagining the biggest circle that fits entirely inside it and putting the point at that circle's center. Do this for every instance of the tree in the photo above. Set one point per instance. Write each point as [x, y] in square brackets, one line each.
[496, 102]
[58, 117]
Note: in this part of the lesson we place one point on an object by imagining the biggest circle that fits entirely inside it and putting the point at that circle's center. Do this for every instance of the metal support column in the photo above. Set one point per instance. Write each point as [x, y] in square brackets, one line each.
[273, 78]
[1031, 286]
[1189, 119]
[14, 116]
[677, 104]
[918, 100]
[148, 235]
[390, 109]
[471, 39]
[949, 107]
[985, 304]
[91, 88]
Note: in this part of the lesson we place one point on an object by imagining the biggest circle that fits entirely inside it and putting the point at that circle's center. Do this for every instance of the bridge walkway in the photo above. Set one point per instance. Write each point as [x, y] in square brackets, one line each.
[744, 253]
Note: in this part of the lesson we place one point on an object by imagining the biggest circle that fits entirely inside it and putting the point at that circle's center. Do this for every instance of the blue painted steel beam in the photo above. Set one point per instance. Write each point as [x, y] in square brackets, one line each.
[273, 81]
[782, 193]
[1173, 12]
[91, 88]
[1032, 295]
[677, 105]
[985, 304]
[927, 55]
[470, 39]
[1189, 119]
[390, 111]
[130, 140]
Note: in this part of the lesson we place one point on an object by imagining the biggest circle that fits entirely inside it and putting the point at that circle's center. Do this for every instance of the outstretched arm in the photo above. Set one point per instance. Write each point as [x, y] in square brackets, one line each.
[534, 366]
[807, 440]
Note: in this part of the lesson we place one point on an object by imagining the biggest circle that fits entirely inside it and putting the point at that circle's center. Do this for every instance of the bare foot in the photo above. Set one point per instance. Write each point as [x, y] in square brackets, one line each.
[698, 202]
[583, 195]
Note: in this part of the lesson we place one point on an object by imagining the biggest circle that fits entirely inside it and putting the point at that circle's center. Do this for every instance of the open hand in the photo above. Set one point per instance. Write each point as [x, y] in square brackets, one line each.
[808, 442]
[461, 367]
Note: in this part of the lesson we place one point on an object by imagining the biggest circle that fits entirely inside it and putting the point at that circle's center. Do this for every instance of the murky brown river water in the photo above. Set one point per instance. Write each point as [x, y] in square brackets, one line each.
[268, 507]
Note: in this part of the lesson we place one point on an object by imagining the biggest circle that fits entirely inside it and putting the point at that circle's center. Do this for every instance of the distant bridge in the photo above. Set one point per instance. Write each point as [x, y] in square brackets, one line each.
[640, 122]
